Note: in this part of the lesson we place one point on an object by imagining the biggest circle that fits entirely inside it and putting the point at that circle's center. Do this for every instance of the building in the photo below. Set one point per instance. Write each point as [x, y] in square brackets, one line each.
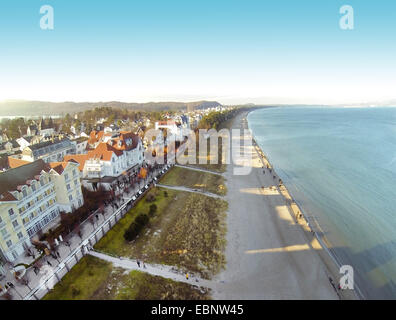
[174, 129]
[46, 128]
[49, 151]
[32, 130]
[32, 194]
[80, 145]
[24, 142]
[113, 155]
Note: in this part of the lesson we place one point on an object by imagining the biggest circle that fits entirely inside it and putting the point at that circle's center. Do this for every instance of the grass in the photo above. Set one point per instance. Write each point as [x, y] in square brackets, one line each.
[188, 231]
[194, 179]
[94, 279]
[113, 242]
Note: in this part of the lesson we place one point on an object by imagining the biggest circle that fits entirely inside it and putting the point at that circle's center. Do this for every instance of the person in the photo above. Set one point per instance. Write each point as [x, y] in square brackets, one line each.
[138, 263]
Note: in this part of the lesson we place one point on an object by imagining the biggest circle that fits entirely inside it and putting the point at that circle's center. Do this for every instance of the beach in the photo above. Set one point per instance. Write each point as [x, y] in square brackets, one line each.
[271, 253]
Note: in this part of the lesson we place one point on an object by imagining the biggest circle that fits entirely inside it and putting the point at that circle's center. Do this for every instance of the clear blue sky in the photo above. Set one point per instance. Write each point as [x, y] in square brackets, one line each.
[232, 51]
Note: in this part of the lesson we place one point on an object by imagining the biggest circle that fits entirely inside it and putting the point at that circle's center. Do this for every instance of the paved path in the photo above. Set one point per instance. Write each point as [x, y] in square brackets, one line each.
[199, 169]
[164, 271]
[180, 188]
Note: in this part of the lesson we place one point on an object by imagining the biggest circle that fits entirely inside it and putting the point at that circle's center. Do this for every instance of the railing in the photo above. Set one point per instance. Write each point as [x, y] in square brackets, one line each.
[78, 253]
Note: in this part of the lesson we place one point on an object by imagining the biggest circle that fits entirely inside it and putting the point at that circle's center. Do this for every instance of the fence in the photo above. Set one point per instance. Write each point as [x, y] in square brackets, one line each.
[47, 283]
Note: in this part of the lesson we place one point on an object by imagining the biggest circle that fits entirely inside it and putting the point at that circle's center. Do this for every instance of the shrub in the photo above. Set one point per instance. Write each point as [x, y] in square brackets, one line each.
[153, 210]
[75, 291]
[136, 227]
[150, 197]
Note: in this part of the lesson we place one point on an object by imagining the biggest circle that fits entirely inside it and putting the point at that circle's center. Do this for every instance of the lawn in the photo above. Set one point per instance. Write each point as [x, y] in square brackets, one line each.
[187, 231]
[194, 179]
[94, 279]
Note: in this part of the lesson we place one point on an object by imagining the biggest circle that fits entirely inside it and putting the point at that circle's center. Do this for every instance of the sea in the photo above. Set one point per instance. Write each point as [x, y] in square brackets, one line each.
[339, 164]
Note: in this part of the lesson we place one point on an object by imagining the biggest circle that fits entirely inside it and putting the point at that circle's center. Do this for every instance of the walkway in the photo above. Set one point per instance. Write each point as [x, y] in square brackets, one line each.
[205, 193]
[199, 169]
[164, 271]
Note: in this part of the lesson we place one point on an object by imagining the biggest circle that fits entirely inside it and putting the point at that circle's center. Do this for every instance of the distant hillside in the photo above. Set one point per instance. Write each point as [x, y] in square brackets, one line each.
[29, 108]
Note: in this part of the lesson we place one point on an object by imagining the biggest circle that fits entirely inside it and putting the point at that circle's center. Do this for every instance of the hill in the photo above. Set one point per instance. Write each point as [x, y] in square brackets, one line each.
[29, 108]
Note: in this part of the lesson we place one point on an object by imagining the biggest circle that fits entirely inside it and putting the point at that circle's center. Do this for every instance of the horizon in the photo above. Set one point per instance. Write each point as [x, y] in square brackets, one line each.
[236, 53]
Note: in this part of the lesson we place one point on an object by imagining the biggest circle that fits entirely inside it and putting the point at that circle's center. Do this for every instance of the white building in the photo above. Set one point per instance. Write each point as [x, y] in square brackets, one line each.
[31, 197]
[112, 156]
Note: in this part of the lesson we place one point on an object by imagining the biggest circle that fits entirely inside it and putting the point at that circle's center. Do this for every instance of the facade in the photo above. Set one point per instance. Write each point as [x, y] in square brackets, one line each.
[31, 197]
[49, 151]
[80, 145]
[112, 156]
[175, 130]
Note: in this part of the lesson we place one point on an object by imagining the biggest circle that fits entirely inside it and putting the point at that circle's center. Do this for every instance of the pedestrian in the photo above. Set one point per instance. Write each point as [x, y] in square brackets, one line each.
[138, 263]
[57, 253]
[49, 263]
[187, 276]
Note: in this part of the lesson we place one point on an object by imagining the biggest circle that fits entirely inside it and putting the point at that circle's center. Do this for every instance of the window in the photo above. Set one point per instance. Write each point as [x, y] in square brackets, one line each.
[24, 192]
[75, 182]
[20, 235]
[9, 243]
[4, 232]
[68, 186]
[42, 182]
[1, 220]
[15, 223]
[66, 176]
[34, 187]
[70, 198]
[11, 212]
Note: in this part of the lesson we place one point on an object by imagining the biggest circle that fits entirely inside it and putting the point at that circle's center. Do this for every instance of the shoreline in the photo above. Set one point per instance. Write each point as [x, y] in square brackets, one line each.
[319, 241]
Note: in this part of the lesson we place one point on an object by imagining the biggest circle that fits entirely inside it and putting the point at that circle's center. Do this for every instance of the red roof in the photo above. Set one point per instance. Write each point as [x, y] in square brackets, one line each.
[77, 158]
[59, 167]
[95, 136]
[15, 163]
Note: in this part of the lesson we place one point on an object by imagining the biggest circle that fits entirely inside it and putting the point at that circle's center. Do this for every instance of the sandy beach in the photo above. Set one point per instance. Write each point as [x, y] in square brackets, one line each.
[271, 253]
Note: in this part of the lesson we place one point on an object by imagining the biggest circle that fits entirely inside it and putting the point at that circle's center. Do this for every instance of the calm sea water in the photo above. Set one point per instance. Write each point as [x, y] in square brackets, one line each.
[340, 166]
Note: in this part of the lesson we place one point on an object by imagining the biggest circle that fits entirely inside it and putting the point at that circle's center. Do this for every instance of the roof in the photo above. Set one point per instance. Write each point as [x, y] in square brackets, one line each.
[11, 179]
[166, 123]
[104, 152]
[77, 158]
[15, 162]
[95, 136]
[59, 167]
[129, 141]
[46, 147]
[80, 139]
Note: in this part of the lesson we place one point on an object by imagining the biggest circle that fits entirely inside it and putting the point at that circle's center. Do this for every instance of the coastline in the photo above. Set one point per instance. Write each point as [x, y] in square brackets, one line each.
[310, 227]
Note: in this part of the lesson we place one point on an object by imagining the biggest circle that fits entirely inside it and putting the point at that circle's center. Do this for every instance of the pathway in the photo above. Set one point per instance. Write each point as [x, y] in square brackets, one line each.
[164, 271]
[199, 169]
[180, 188]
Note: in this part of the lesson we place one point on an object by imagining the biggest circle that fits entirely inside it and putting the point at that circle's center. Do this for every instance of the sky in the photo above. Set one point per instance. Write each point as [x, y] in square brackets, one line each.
[234, 51]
